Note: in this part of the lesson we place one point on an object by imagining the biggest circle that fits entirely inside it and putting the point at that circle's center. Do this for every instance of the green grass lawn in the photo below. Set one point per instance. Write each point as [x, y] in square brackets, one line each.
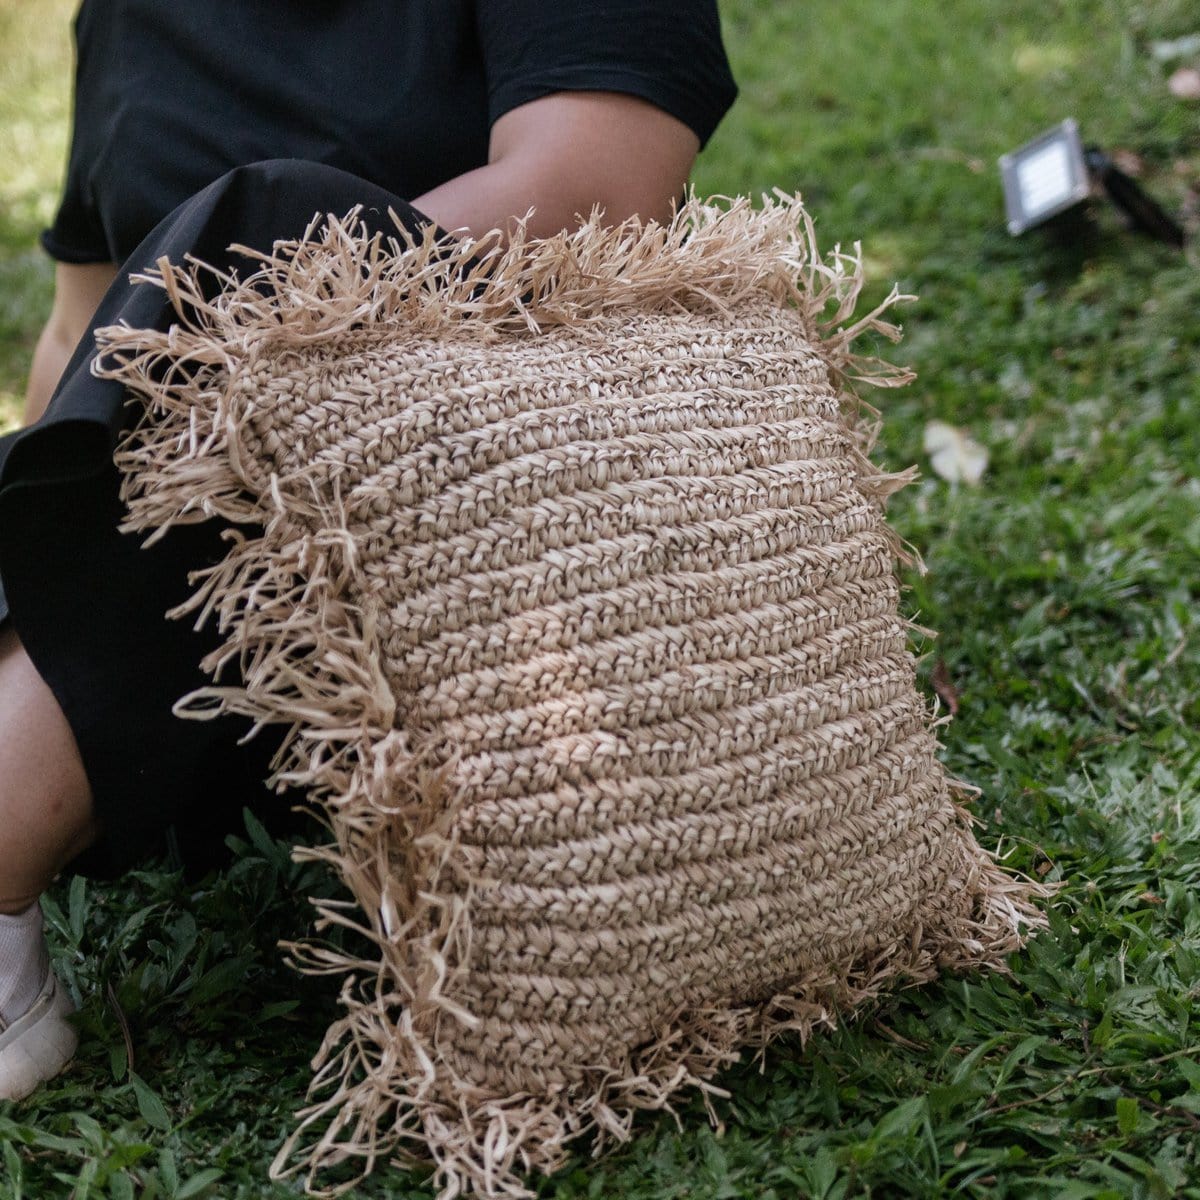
[35, 94]
[1064, 587]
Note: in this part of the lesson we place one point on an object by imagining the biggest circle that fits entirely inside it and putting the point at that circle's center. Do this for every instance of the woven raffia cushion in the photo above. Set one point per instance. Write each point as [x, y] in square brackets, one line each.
[569, 575]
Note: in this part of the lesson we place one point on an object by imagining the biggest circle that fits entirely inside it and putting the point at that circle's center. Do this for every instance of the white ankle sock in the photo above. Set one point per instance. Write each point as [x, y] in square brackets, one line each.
[24, 962]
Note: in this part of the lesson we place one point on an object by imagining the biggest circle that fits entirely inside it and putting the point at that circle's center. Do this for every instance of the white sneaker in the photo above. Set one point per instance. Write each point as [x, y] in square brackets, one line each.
[36, 1046]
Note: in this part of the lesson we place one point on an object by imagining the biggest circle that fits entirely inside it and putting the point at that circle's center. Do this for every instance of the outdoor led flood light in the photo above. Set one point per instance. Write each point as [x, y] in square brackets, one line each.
[1055, 172]
[1045, 177]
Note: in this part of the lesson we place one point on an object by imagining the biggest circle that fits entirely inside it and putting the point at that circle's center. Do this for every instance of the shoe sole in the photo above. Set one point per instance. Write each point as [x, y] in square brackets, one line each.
[36, 1047]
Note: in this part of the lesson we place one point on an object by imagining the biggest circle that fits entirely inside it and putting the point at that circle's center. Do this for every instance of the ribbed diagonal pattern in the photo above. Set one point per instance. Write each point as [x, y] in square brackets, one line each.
[571, 578]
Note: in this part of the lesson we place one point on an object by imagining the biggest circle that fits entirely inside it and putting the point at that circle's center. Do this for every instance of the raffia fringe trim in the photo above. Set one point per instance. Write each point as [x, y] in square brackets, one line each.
[383, 1089]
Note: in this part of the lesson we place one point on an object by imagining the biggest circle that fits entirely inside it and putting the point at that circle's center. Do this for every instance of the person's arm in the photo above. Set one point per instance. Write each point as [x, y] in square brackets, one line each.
[564, 154]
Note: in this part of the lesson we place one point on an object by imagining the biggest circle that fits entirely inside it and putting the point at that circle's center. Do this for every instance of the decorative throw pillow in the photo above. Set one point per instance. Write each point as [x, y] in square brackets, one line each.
[568, 573]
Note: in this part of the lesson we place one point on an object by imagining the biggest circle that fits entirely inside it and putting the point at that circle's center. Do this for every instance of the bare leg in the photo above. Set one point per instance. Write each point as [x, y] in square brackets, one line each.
[78, 290]
[45, 801]
[46, 813]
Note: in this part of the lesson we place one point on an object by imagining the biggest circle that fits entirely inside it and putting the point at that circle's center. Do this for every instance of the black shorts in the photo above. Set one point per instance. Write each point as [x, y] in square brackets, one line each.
[88, 602]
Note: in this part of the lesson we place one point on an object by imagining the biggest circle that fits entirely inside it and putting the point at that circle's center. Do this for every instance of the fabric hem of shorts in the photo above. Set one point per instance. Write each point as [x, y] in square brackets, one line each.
[125, 836]
[101, 859]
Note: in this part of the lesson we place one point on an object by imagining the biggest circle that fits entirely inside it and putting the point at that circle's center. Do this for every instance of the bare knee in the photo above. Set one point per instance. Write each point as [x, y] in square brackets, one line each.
[46, 814]
[78, 290]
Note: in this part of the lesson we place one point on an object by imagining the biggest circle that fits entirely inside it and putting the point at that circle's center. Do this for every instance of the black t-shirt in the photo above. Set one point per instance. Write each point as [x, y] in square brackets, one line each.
[170, 96]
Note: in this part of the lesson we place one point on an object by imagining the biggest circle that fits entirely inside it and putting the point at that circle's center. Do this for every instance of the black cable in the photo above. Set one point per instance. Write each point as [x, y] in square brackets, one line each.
[1143, 212]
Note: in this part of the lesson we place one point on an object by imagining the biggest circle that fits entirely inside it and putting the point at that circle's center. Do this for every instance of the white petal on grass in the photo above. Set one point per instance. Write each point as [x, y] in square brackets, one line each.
[1185, 83]
[1176, 48]
[954, 454]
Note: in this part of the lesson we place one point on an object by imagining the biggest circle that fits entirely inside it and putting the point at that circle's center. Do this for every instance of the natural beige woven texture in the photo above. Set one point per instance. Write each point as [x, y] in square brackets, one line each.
[573, 583]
